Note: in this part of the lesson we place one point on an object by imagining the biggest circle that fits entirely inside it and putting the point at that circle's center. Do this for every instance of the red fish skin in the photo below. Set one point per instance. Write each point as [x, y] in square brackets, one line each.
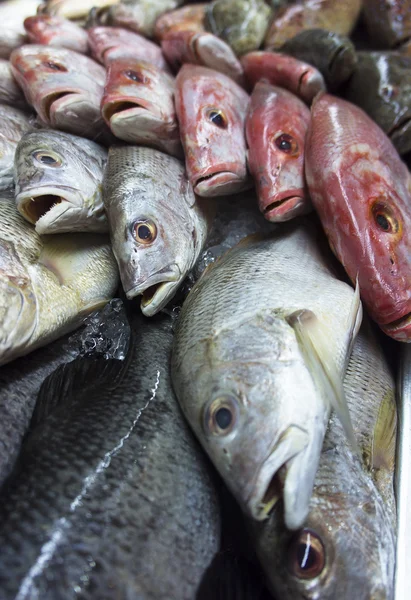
[296, 76]
[274, 115]
[111, 43]
[186, 18]
[56, 31]
[360, 189]
[215, 154]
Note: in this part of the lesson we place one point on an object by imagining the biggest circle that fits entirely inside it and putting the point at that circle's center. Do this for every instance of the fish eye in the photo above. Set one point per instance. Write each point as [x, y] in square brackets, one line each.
[47, 158]
[145, 231]
[384, 217]
[135, 76]
[221, 415]
[287, 144]
[55, 66]
[306, 555]
[217, 117]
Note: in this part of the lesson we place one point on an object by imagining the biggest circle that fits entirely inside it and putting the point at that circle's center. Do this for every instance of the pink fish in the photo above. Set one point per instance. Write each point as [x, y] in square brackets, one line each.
[138, 105]
[360, 188]
[56, 31]
[186, 18]
[63, 86]
[298, 77]
[201, 48]
[110, 43]
[276, 126]
[211, 110]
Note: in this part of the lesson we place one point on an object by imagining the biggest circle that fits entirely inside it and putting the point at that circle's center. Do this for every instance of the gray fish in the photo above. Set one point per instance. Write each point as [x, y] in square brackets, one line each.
[346, 549]
[47, 286]
[104, 333]
[12, 32]
[158, 227]
[10, 92]
[258, 357]
[59, 181]
[388, 23]
[138, 15]
[127, 511]
[13, 124]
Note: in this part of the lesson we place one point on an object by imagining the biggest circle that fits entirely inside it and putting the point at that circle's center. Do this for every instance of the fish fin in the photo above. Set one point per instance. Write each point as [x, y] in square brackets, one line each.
[75, 379]
[313, 341]
[354, 320]
[384, 438]
[250, 239]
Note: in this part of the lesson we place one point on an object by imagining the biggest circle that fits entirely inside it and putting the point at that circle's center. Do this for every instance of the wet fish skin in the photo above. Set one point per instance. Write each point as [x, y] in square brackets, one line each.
[13, 124]
[201, 48]
[368, 229]
[48, 286]
[186, 18]
[12, 15]
[385, 78]
[240, 23]
[149, 190]
[211, 111]
[138, 105]
[234, 349]
[131, 504]
[103, 334]
[388, 23]
[276, 125]
[56, 31]
[59, 180]
[113, 43]
[332, 15]
[63, 86]
[140, 15]
[352, 510]
[10, 92]
[73, 9]
[296, 76]
[332, 54]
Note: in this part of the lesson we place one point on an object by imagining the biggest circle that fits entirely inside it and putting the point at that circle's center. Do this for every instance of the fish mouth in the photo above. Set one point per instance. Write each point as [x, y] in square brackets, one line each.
[129, 109]
[285, 207]
[46, 207]
[220, 183]
[49, 101]
[157, 290]
[400, 329]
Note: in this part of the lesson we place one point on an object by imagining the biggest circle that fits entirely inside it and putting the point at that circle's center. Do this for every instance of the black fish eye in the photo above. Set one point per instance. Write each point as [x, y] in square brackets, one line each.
[47, 158]
[286, 143]
[217, 117]
[55, 66]
[384, 216]
[145, 231]
[383, 222]
[306, 555]
[221, 415]
[135, 76]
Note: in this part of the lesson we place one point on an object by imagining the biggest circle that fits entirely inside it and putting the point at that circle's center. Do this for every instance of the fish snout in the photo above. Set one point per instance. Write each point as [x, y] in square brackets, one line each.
[285, 206]
[156, 289]
[216, 183]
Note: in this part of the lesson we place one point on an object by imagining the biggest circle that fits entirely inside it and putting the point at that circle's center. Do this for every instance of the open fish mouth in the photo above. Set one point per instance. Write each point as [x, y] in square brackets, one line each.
[214, 184]
[400, 329]
[283, 208]
[46, 207]
[157, 290]
[130, 109]
[50, 101]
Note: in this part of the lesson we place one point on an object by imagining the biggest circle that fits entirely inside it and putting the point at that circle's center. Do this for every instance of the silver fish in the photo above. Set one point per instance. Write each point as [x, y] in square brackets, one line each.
[12, 32]
[346, 548]
[258, 358]
[158, 227]
[13, 124]
[10, 92]
[47, 286]
[59, 180]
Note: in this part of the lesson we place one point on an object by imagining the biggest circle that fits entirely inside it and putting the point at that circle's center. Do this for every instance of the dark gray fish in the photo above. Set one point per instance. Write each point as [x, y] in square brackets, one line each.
[381, 86]
[113, 499]
[105, 333]
[332, 54]
[388, 22]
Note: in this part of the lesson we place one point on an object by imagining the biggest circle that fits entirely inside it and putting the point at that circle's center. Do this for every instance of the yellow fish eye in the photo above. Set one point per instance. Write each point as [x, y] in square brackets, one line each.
[384, 217]
[145, 231]
[221, 415]
[287, 144]
[217, 117]
[47, 158]
[306, 555]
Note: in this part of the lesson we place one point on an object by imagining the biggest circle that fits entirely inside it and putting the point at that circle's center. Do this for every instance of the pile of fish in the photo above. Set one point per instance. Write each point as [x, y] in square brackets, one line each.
[205, 229]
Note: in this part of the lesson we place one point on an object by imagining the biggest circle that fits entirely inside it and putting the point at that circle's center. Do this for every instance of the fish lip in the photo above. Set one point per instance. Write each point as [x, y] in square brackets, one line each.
[283, 206]
[166, 282]
[400, 329]
[129, 108]
[49, 100]
[218, 183]
[28, 195]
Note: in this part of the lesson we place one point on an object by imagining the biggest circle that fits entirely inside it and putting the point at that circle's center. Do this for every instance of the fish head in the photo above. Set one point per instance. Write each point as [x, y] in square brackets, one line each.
[104, 39]
[276, 126]
[58, 179]
[138, 97]
[61, 84]
[54, 30]
[186, 18]
[241, 401]
[154, 239]
[211, 111]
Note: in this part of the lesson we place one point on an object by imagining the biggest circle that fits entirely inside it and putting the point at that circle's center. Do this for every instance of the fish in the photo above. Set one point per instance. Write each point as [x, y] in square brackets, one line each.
[47, 286]
[388, 23]
[10, 92]
[104, 334]
[75, 10]
[112, 43]
[138, 105]
[13, 124]
[296, 76]
[361, 190]
[157, 226]
[332, 54]
[381, 86]
[211, 111]
[56, 31]
[258, 359]
[12, 15]
[139, 15]
[59, 180]
[346, 547]
[276, 125]
[186, 18]
[129, 510]
[63, 86]
[332, 15]
[240, 23]
[201, 48]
